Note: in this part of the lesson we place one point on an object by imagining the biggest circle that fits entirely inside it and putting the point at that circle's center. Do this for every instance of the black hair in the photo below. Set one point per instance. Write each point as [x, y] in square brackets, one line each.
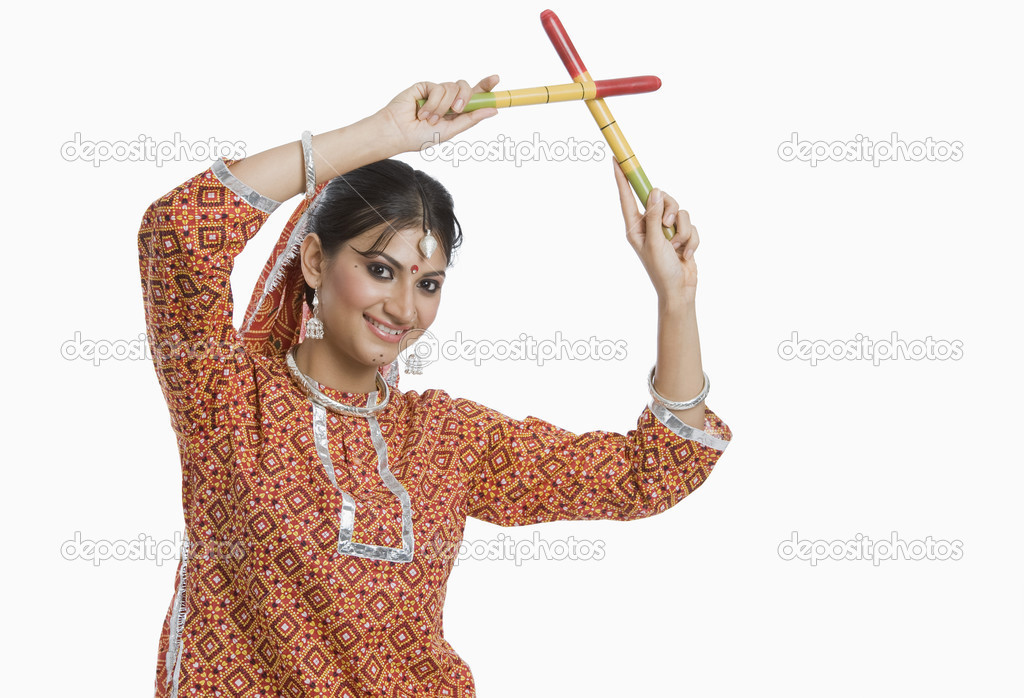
[388, 191]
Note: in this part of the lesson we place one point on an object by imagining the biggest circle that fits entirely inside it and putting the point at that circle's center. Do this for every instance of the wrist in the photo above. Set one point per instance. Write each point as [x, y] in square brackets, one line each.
[677, 304]
[384, 134]
[350, 147]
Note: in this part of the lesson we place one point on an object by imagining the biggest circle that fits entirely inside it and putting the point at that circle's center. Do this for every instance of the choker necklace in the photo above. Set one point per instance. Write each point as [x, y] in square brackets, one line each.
[316, 395]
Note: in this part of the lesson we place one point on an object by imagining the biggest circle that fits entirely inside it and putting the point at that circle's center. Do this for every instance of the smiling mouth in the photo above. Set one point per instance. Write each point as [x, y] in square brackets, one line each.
[385, 329]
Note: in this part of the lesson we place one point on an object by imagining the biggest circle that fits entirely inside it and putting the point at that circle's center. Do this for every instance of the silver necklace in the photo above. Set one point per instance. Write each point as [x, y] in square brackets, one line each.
[321, 403]
[317, 395]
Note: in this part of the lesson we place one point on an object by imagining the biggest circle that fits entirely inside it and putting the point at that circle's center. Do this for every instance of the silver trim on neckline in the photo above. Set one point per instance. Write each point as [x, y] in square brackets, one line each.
[348, 506]
[320, 404]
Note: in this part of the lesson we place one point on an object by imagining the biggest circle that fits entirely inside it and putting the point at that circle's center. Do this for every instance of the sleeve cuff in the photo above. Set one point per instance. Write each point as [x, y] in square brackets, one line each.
[243, 190]
[708, 437]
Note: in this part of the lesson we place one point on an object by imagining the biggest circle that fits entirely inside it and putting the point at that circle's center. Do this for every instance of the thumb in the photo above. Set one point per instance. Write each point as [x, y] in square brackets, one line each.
[469, 119]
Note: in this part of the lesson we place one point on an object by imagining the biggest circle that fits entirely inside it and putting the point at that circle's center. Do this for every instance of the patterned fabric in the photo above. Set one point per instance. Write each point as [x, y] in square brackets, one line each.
[263, 604]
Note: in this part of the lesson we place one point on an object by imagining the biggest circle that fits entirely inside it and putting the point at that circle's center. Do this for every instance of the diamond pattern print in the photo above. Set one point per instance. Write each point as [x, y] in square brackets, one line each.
[271, 607]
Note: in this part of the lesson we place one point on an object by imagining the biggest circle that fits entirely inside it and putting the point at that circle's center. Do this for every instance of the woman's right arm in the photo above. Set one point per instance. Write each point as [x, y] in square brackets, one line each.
[279, 172]
[399, 127]
[188, 242]
[189, 239]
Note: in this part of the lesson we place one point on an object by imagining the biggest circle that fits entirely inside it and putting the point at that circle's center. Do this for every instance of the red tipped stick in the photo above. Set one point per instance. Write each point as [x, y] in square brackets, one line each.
[626, 86]
[562, 43]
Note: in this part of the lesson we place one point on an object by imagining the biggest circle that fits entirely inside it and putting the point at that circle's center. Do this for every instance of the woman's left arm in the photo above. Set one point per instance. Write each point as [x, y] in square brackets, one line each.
[519, 472]
[679, 374]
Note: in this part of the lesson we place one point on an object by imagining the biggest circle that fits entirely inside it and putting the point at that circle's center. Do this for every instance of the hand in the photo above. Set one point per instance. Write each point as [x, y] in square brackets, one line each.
[669, 263]
[415, 127]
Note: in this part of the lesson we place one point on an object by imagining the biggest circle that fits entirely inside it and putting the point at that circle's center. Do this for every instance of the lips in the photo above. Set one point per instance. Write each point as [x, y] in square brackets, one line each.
[383, 334]
[386, 324]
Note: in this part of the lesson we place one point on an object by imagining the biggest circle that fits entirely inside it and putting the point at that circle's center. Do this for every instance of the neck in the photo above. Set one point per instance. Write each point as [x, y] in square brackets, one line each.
[316, 360]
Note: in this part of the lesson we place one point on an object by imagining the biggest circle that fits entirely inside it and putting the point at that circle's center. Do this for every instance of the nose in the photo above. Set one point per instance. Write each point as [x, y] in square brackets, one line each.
[400, 306]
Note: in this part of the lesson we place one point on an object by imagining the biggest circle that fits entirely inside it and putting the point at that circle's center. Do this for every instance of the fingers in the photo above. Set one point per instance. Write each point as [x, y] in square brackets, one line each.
[462, 96]
[671, 208]
[439, 100]
[662, 209]
[460, 122]
[454, 96]
[686, 239]
[429, 89]
[691, 245]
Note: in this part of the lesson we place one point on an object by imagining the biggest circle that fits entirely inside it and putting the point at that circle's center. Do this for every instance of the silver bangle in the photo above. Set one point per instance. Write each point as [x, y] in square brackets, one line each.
[678, 405]
[307, 158]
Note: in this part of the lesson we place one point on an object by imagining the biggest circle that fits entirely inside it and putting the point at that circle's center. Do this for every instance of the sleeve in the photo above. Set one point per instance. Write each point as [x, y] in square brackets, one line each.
[188, 242]
[530, 471]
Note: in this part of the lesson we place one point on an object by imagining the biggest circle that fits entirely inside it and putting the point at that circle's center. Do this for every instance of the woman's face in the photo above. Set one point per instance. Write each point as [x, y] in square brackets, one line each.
[357, 291]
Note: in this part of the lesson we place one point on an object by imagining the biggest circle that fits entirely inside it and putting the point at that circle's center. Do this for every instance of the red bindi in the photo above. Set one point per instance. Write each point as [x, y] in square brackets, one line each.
[415, 268]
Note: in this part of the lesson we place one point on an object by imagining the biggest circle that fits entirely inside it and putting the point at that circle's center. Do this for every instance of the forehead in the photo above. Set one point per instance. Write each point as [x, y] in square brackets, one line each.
[402, 247]
[370, 236]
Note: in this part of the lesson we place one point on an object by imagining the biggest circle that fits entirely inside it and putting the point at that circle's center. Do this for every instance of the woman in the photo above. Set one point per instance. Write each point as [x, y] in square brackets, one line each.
[323, 507]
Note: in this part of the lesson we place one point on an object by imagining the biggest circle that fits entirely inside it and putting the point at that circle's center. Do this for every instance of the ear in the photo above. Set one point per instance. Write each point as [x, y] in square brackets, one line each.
[311, 258]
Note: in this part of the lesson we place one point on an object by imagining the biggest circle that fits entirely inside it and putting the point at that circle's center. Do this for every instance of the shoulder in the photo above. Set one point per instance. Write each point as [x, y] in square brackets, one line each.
[430, 398]
[437, 403]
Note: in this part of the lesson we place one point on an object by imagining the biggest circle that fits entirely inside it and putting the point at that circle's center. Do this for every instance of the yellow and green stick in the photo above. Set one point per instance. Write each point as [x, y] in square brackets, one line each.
[602, 114]
[560, 93]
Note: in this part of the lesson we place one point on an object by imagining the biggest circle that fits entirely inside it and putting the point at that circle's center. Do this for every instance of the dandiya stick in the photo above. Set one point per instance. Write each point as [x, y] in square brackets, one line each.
[602, 114]
[560, 93]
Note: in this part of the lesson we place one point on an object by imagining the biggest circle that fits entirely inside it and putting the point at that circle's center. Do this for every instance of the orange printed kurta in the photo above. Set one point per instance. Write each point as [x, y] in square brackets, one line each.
[264, 604]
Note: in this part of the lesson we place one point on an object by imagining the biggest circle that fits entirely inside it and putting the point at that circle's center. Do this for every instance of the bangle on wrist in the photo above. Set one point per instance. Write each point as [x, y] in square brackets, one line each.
[678, 405]
[310, 167]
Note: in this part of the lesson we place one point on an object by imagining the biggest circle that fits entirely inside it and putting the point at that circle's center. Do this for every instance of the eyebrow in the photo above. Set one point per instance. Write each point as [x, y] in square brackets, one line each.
[401, 268]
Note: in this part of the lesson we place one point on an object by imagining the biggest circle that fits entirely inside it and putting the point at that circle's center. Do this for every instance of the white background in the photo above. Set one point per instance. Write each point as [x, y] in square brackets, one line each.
[693, 602]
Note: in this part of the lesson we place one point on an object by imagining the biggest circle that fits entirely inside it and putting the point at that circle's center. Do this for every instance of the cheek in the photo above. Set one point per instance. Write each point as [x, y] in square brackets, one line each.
[426, 312]
[353, 289]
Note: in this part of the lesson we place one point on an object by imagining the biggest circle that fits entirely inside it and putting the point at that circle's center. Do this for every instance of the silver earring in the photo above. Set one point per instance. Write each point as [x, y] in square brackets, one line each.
[414, 365]
[314, 326]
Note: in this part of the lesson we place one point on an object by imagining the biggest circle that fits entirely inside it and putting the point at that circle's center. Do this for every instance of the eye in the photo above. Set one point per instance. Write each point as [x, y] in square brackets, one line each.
[380, 275]
[434, 286]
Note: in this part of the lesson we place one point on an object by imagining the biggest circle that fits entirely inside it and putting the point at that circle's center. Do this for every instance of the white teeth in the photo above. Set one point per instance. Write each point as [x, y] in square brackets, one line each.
[388, 330]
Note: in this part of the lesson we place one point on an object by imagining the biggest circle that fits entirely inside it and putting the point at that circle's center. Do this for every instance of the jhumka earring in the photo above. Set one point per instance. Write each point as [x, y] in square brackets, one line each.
[414, 364]
[314, 326]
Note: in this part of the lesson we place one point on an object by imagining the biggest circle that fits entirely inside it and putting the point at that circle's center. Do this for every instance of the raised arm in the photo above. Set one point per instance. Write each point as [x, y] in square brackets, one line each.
[679, 375]
[397, 128]
[187, 243]
[528, 471]
[189, 238]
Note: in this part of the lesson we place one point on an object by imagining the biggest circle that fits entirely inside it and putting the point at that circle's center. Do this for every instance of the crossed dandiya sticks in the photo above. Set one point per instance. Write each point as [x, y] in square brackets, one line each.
[602, 114]
[592, 92]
